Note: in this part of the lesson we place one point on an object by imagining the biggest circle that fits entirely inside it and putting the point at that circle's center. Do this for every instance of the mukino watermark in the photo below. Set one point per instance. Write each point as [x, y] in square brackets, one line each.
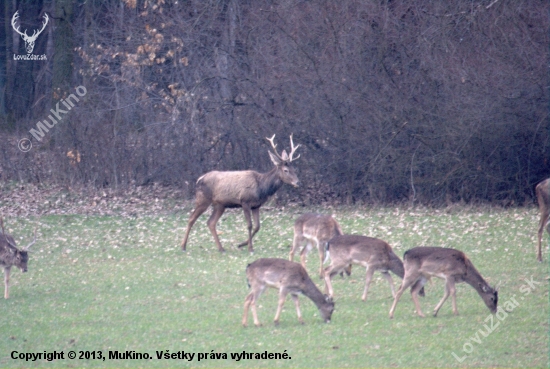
[493, 323]
[44, 126]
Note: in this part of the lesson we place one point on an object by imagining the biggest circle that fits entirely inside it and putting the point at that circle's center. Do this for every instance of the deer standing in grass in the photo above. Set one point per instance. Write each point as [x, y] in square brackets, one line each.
[10, 256]
[287, 277]
[372, 253]
[316, 230]
[422, 263]
[246, 189]
[543, 197]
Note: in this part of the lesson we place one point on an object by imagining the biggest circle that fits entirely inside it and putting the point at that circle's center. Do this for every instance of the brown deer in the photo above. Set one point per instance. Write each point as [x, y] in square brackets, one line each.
[247, 189]
[287, 277]
[372, 253]
[316, 230]
[422, 263]
[10, 256]
[543, 197]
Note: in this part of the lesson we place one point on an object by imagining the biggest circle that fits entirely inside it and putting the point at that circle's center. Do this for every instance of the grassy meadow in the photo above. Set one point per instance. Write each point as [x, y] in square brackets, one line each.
[104, 283]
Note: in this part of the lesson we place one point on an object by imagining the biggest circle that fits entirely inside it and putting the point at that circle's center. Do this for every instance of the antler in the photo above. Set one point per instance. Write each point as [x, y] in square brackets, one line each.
[35, 34]
[13, 19]
[292, 150]
[26, 248]
[274, 147]
[284, 156]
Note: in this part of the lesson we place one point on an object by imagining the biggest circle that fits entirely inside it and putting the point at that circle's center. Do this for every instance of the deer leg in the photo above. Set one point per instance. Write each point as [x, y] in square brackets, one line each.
[297, 303]
[331, 271]
[449, 290]
[408, 280]
[250, 301]
[543, 222]
[321, 249]
[282, 297]
[199, 209]
[7, 282]
[201, 204]
[247, 302]
[251, 233]
[256, 218]
[328, 285]
[212, 221]
[368, 278]
[296, 242]
[416, 287]
[304, 253]
[390, 281]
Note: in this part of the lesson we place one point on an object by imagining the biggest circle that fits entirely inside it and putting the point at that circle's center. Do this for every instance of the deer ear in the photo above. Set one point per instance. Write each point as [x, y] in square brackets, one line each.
[274, 159]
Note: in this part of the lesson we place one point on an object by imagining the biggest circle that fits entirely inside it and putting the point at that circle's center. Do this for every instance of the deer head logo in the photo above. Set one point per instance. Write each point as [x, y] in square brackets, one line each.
[29, 40]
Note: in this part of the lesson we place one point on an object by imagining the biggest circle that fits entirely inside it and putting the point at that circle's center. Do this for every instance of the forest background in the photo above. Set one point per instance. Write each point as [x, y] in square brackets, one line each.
[429, 102]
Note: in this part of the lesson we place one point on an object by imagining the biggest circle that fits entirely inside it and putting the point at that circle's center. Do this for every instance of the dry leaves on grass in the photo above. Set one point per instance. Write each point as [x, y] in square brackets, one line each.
[31, 200]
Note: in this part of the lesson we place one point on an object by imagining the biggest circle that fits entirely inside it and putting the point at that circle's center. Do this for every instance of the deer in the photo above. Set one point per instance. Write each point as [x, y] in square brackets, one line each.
[314, 229]
[372, 253]
[10, 256]
[422, 263]
[543, 197]
[29, 40]
[246, 189]
[287, 277]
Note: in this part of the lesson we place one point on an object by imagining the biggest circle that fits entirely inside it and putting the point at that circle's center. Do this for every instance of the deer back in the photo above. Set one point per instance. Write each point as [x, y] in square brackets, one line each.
[233, 188]
[319, 226]
[362, 249]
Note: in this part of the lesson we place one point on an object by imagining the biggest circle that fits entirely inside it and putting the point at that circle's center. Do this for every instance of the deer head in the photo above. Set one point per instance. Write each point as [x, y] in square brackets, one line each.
[282, 162]
[29, 40]
[20, 257]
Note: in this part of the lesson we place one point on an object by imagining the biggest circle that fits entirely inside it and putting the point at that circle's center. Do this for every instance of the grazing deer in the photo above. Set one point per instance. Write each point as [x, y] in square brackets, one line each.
[247, 189]
[288, 277]
[421, 263]
[543, 197]
[316, 229]
[10, 256]
[372, 253]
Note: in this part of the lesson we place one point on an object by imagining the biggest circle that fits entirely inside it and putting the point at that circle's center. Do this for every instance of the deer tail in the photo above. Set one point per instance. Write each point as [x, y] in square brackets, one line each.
[327, 253]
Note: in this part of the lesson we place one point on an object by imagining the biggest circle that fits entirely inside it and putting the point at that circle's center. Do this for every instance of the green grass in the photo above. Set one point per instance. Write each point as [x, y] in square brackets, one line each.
[98, 283]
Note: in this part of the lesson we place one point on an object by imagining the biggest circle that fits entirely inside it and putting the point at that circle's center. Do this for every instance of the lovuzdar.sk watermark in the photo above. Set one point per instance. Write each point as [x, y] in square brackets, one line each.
[492, 323]
[29, 40]
[42, 127]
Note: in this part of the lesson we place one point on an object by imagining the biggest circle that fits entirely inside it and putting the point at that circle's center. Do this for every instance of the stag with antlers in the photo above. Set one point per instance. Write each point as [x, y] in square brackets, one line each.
[10, 256]
[246, 189]
[29, 40]
[543, 197]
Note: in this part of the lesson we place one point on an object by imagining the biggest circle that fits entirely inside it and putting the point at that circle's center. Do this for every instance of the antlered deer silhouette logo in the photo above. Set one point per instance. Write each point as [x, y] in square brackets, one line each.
[29, 40]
